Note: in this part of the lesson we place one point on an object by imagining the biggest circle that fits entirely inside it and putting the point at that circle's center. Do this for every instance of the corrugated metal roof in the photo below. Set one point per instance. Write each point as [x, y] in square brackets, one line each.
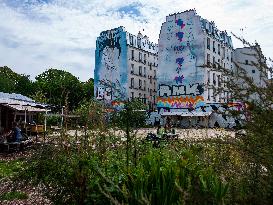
[27, 108]
[21, 103]
[15, 96]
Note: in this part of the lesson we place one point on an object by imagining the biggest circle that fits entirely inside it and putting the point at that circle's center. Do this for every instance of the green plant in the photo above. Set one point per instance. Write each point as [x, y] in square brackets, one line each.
[9, 196]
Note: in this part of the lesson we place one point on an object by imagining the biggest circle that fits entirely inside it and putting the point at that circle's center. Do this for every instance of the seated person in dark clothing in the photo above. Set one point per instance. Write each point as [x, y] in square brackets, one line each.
[15, 135]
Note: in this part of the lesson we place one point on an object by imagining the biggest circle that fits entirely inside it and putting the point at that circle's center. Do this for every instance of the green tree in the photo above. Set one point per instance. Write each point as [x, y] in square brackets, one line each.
[59, 85]
[257, 144]
[12, 82]
[88, 89]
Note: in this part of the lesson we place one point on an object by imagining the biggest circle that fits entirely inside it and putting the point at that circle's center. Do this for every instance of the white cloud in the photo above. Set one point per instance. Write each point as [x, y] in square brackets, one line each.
[62, 33]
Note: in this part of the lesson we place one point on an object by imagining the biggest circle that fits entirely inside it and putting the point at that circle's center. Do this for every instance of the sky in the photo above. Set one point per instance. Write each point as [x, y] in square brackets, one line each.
[36, 35]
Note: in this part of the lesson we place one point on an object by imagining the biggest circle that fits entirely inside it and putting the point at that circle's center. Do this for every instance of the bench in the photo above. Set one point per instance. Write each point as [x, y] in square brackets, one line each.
[8, 146]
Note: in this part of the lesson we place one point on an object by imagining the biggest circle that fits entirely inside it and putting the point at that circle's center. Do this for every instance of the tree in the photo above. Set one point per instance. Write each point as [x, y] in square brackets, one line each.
[257, 144]
[12, 82]
[57, 85]
[88, 89]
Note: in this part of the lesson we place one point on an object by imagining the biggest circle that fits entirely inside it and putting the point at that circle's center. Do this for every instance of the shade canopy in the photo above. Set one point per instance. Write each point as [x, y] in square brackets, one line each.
[187, 114]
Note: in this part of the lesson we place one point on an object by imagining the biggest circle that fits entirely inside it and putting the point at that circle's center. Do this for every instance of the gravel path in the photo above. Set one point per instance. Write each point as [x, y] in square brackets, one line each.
[35, 196]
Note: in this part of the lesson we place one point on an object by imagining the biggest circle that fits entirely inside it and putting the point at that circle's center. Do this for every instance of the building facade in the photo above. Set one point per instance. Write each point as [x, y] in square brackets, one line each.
[250, 62]
[125, 67]
[190, 51]
[191, 86]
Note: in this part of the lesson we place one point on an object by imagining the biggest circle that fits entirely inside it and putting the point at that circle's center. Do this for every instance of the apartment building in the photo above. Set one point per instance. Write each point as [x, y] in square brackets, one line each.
[250, 62]
[191, 52]
[125, 67]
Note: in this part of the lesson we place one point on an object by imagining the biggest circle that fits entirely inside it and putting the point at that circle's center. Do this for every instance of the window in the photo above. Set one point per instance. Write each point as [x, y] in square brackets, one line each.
[246, 62]
[132, 95]
[140, 84]
[145, 58]
[139, 95]
[218, 49]
[253, 71]
[208, 59]
[140, 70]
[208, 94]
[154, 74]
[138, 42]
[131, 40]
[213, 46]
[132, 68]
[140, 56]
[151, 79]
[132, 55]
[219, 80]
[214, 79]
[144, 71]
[208, 43]
[144, 85]
[151, 92]
[208, 77]
[132, 82]
[154, 86]
[213, 62]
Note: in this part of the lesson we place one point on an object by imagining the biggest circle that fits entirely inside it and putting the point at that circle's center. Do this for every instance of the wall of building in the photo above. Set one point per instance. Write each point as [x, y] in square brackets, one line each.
[181, 53]
[126, 67]
[111, 77]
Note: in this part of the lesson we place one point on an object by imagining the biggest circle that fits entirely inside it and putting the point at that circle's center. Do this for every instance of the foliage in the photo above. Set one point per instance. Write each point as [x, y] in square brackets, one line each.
[9, 168]
[131, 117]
[92, 114]
[88, 89]
[256, 183]
[9, 196]
[11, 82]
[173, 174]
[57, 85]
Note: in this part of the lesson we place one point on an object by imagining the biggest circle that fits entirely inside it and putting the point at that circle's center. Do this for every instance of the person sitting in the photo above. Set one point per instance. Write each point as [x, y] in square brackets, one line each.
[160, 131]
[14, 135]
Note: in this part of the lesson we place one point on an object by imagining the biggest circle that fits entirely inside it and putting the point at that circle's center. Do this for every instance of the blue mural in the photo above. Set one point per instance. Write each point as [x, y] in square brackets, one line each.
[110, 75]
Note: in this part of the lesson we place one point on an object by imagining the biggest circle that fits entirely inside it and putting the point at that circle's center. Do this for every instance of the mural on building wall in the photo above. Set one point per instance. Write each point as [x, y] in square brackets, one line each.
[180, 80]
[219, 117]
[111, 65]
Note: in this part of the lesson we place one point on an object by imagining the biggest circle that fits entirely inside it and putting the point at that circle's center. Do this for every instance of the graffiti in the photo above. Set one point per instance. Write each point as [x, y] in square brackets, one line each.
[118, 105]
[180, 102]
[178, 48]
[179, 79]
[179, 90]
[180, 36]
[179, 61]
[180, 23]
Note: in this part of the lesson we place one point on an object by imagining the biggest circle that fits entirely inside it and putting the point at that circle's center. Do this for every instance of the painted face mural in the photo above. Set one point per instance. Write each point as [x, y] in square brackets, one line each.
[111, 67]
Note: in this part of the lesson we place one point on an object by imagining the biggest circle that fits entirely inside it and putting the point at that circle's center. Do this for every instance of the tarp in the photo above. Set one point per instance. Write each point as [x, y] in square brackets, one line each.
[187, 114]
